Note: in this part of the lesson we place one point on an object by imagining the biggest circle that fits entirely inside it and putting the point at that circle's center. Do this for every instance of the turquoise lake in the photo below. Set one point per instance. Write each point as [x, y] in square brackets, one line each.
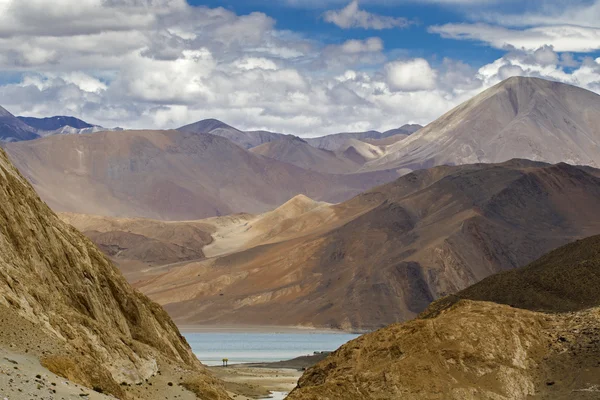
[212, 347]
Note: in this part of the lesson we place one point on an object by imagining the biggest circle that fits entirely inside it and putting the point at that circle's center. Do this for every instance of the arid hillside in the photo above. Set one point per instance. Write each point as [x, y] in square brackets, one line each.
[468, 346]
[64, 302]
[170, 175]
[298, 152]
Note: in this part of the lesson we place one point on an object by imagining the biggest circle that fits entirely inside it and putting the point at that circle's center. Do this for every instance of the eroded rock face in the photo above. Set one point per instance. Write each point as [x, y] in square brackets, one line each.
[474, 350]
[54, 277]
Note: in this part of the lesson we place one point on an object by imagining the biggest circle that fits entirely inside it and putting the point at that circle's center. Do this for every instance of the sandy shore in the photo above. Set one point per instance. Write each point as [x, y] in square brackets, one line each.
[260, 380]
[255, 329]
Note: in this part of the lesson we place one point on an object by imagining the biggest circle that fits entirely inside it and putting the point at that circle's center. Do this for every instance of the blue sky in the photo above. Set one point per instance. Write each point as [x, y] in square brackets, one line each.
[416, 41]
[305, 67]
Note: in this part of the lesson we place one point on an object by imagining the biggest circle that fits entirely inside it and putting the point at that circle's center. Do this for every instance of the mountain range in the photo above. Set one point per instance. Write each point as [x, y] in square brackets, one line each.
[353, 231]
[378, 258]
[170, 175]
[335, 141]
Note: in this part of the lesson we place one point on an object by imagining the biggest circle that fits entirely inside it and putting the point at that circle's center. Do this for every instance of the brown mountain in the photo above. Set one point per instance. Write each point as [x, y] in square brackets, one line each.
[383, 256]
[142, 246]
[296, 151]
[64, 302]
[467, 346]
[169, 175]
[521, 117]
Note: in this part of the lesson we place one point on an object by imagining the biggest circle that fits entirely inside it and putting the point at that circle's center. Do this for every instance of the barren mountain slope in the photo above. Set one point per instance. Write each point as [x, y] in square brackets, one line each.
[169, 175]
[144, 247]
[527, 118]
[465, 349]
[298, 152]
[472, 351]
[383, 256]
[63, 301]
[387, 141]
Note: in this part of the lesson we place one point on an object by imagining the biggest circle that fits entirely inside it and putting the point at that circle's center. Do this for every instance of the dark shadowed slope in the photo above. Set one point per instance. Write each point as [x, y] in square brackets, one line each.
[566, 279]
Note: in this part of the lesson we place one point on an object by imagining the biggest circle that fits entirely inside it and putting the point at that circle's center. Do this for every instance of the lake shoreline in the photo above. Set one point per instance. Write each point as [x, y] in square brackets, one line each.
[261, 359]
[186, 328]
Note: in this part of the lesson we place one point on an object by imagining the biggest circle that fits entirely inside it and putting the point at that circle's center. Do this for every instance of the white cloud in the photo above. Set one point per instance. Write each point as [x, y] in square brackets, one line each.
[174, 64]
[352, 16]
[583, 13]
[561, 38]
[360, 46]
[410, 75]
[249, 63]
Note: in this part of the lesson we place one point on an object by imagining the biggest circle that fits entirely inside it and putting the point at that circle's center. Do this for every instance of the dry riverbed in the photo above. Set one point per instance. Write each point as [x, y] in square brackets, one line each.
[245, 382]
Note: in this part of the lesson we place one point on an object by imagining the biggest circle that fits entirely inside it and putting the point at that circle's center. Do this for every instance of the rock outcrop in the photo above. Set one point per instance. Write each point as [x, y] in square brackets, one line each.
[464, 347]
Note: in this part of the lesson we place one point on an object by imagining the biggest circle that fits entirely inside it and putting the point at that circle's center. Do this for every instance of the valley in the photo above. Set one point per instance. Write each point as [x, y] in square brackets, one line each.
[423, 239]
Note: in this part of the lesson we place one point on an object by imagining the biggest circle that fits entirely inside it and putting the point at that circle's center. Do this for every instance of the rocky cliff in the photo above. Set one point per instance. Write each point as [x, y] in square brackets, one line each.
[90, 325]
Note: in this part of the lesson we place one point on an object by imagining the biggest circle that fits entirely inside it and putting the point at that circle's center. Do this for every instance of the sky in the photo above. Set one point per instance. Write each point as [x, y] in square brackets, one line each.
[305, 67]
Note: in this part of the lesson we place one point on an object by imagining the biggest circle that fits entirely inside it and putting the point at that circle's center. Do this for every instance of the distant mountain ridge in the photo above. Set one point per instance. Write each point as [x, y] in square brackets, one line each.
[335, 141]
[13, 129]
[527, 118]
[297, 151]
[170, 175]
[247, 140]
[17, 129]
[54, 123]
[250, 139]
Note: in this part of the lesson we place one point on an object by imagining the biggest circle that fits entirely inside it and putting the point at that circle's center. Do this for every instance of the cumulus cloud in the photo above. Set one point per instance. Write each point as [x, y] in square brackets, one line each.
[561, 38]
[352, 16]
[411, 75]
[174, 64]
